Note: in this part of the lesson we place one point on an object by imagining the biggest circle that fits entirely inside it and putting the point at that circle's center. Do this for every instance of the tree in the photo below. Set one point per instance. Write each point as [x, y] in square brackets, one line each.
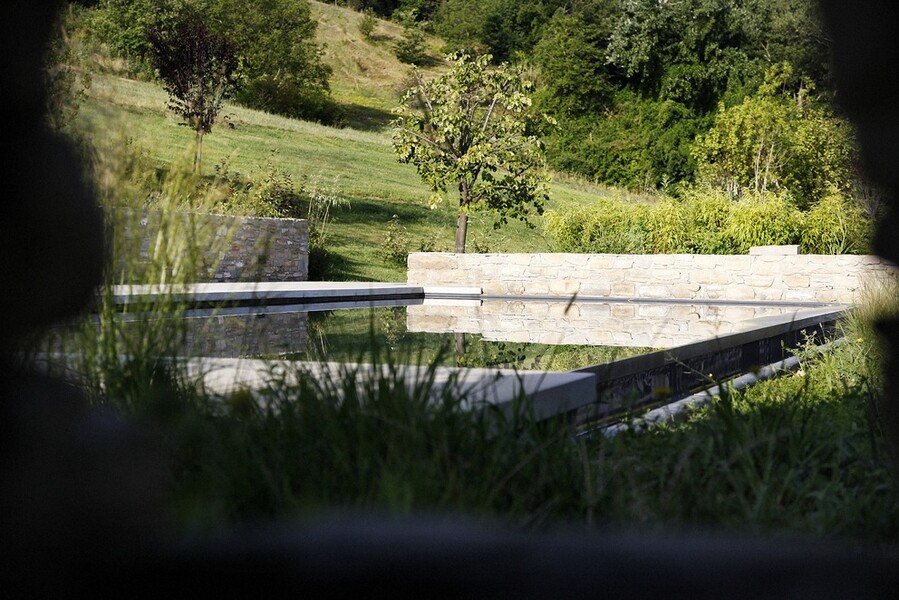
[472, 128]
[197, 69]
[281, 66]
[776, 139]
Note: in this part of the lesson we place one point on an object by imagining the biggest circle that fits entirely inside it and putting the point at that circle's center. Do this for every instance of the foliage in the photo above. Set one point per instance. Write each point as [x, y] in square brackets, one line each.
[777, 140]
[762, 220]
[501, 28]
[281, 96]
[682, 51]
[66, 85]
[609, 227]
[197, 68]
[708, 221]
[471, 128]
[396, 242]
[411, 48]
[280, 64]
[271, 194]
[571, 59]
[695, 224]
[368, 23]
[835, 225]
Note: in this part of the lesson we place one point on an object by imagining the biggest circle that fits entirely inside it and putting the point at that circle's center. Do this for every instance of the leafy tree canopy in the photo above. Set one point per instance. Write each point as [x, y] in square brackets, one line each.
[280, 64]
[472, 129]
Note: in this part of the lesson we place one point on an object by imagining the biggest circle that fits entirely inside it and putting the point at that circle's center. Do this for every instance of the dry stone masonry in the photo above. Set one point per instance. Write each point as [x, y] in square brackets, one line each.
[775, 274]
[230, 248]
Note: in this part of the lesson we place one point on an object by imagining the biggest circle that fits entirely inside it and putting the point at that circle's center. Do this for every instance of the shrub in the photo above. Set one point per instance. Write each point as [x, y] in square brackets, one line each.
[396, 242]
[411, 48]
[762, 220]
[610, 227]
[273, 195]
[368, 23]
[667, 225]
[835, 225]
[291, 99]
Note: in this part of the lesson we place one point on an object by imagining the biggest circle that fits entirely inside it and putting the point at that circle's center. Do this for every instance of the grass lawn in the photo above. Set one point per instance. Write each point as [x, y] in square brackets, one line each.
[359, 166]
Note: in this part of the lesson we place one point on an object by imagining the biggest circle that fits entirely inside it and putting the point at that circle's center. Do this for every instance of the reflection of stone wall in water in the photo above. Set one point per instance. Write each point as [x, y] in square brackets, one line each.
[247, 335]
[230, 248]
[762, 277]
[595, 324]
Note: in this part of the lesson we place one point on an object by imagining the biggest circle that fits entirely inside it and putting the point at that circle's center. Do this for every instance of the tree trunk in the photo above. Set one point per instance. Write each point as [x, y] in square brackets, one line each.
[462, 222]
[198, 150]
[459, 338]
[461, 231]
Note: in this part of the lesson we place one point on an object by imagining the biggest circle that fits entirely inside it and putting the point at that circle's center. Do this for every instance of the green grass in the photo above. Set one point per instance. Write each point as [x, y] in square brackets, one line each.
[357, 165]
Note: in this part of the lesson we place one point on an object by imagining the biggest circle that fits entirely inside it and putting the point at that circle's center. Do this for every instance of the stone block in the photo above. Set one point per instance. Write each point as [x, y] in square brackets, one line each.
[564, 287]
[739, 292]
[796, 281]
[686, 291]
[783, 250]
[623, 311]
[653, 291]
[595, 288]
[803, 295]
[623, 289]
[711, 276]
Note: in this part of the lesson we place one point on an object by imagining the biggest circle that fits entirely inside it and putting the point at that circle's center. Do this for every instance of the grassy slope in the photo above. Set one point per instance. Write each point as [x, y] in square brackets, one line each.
[357, 164]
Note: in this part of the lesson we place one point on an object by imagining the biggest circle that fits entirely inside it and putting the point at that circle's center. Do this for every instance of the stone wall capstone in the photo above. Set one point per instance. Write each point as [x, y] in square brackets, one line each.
[757, 277]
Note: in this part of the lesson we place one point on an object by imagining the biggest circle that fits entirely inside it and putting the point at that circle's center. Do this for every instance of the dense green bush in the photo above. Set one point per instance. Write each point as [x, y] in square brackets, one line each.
[777, 140]
[612, 227]
[707, 221]
[762, 220]
[695, 224]
[287, 97]
[836, 226]
[633, 143]
[396, 242]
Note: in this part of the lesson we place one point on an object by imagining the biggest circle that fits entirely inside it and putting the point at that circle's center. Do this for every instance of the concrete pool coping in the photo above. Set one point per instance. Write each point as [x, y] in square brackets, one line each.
[289, 292]
[552, 393]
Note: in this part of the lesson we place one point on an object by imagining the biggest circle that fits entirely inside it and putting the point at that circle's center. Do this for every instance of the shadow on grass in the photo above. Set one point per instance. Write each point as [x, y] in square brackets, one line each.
[367, 211]
[366, 118]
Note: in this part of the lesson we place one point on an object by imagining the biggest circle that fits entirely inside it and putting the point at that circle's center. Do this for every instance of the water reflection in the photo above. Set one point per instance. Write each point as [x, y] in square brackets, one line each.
[285, 330]
[645, 324]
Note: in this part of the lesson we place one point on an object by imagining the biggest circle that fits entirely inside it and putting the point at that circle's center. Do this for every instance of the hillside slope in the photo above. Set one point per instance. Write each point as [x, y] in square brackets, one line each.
[367, 77]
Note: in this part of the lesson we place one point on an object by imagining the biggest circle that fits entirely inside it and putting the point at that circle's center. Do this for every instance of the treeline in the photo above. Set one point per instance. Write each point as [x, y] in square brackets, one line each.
[657, 94]
[735, 95]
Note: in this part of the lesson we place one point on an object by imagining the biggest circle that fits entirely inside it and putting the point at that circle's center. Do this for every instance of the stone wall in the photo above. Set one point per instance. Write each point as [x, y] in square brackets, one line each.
[760, 276]
[227, 248]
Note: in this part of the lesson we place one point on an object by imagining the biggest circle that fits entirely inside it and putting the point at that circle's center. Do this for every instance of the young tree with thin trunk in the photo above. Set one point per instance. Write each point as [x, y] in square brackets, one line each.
[197, 68]
[472, 129]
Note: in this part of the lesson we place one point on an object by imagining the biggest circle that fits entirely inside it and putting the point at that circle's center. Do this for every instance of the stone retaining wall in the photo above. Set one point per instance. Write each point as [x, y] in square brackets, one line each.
[759, 276]
[228, 248]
